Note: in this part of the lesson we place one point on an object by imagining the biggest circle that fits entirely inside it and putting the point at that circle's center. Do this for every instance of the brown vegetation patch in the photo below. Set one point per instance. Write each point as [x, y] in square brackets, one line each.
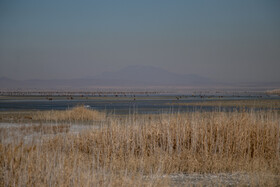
[274, 92]
[261, 103]
[126, 150]
[76, 114]
[79, 113]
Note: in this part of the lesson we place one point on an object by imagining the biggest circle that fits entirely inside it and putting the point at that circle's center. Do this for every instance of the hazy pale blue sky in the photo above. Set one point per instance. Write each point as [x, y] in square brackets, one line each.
[225, 40]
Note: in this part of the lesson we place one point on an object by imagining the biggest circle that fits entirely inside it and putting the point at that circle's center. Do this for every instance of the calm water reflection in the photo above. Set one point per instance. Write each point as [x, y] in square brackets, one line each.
[121, 104]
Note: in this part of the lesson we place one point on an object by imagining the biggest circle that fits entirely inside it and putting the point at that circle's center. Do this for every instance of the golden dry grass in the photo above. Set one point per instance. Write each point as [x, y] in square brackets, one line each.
[76, 114]
[125, 150]
[262, 104]
[274, 92]
[79, 113]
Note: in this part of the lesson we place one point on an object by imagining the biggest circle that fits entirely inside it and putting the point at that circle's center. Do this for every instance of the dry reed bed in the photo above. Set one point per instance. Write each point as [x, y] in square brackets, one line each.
[124, 151]
[197, 142]
[274, 92]
[24, 132]
[43, 129]
[76, 114]
[252, 104]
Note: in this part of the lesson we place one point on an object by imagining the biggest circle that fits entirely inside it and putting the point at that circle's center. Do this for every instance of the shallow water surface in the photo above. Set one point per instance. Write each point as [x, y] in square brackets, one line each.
[124, 105]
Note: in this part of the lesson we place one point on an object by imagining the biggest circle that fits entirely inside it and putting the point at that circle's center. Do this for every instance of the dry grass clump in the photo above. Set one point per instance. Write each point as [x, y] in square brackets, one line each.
[33, 165]
[196, 142]
[126, 150]
[44, 129]
[16, 116]
[274, 92]
[11, 134]
[76, 114]
[259, 104]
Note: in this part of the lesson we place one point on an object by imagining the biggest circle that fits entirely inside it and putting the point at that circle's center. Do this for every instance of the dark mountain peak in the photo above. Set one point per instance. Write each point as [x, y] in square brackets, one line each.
[134, 70]
[3, 78]
[141, 68]
[152, 75]
[130, 76]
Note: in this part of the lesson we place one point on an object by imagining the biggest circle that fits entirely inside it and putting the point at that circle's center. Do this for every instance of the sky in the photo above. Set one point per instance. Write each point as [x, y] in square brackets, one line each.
[63, 39]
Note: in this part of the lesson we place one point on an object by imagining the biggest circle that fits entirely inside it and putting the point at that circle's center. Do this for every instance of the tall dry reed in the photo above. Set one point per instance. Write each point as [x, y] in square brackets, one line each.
[125, 150]
[76, 114]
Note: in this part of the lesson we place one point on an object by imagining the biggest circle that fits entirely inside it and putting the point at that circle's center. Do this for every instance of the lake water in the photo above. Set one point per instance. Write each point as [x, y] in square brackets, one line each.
[124, 104]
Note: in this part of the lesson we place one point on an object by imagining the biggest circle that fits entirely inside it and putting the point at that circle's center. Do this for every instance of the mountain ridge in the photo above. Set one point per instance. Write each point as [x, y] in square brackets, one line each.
[131, 76]
[151, 74]
[128, 76]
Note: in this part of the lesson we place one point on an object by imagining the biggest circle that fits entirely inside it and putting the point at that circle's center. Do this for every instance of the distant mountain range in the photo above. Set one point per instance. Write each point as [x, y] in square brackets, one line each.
[149, 75]
[131, 76]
